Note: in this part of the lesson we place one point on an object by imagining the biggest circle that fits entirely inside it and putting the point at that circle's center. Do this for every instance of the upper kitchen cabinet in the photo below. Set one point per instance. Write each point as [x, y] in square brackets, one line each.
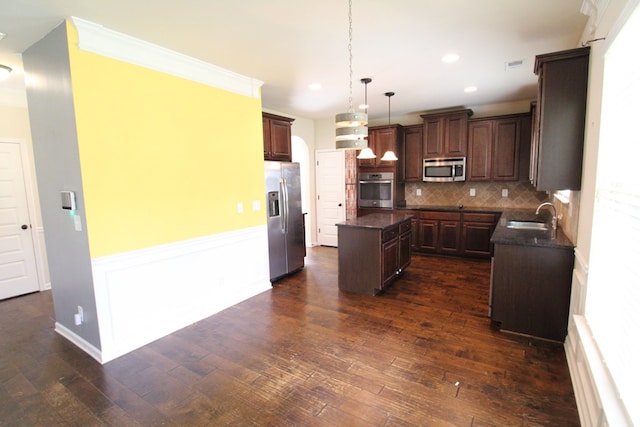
[412, 153]
[445, 134]
[558, 137]
[276, 133]
[498, 148]
[383, 139]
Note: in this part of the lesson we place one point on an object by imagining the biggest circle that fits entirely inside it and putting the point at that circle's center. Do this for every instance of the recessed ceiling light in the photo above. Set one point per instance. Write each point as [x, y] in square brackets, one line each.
[470, 89]
[450, 57]
[315, 86]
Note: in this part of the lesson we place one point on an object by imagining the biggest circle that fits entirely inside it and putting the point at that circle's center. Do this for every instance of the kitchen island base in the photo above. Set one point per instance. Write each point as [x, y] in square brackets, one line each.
[372, 251]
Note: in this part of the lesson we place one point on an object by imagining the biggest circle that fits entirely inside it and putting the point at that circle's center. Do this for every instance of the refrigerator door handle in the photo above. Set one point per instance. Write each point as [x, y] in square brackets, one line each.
[285, 205]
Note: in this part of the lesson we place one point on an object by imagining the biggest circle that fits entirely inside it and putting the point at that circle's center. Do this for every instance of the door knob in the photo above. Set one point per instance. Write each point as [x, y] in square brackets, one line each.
[339, 204]
[24, 226]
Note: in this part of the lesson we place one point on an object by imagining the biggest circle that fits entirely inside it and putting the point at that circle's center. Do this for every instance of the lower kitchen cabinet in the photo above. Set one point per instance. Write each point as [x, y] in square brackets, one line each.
[456, 233]
[531, 290]
[396, 251]
[439, 232]
[477, 229]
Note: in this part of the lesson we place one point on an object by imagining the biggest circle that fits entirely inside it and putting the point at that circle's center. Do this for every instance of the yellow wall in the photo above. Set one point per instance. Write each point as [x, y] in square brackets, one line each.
[163, 159]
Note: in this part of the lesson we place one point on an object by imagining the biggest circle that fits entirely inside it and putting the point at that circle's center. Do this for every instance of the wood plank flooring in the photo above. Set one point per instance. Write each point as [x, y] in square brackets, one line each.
[301, 354]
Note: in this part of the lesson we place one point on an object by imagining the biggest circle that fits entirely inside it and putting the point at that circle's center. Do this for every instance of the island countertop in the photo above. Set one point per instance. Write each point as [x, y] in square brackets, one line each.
[377, 220]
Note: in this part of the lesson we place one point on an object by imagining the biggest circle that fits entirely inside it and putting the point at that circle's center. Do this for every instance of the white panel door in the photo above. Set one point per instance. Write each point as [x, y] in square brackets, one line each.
[17, 257]
[330, 190]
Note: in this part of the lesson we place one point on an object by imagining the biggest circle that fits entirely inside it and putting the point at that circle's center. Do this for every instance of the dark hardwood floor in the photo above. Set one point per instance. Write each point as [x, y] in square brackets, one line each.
[301, 354]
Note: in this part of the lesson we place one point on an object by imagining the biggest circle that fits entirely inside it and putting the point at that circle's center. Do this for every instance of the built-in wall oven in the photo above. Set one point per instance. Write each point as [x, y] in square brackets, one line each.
[375, 190]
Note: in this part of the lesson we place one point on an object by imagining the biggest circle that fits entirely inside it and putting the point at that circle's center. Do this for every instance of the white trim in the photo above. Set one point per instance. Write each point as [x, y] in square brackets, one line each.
[100, 40]
[84, 345]
[144, 295]
[624, 16]
[596, 395]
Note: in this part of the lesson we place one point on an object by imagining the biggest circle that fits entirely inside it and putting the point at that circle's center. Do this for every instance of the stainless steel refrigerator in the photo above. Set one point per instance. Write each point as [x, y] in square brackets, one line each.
[285, 221]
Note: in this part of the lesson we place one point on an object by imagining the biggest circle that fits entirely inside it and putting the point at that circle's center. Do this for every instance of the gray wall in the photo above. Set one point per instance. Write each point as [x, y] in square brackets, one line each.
[53, 130]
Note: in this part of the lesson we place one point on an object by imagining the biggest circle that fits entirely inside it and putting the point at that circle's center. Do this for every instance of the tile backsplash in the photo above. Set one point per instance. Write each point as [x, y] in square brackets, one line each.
[487, 194]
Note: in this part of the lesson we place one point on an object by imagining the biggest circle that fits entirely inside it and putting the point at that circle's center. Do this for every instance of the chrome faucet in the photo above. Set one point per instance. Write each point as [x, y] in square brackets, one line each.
[554, 219]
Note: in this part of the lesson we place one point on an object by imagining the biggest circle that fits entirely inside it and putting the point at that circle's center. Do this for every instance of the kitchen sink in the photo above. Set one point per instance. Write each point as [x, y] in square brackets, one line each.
[527, 225]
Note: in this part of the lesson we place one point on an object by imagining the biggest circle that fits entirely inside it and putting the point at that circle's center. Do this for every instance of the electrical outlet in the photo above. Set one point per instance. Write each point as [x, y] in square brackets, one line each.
[419, 192]
[505, 192]
[240, 207]
[472, 192]
[256, 205]
[78, 317]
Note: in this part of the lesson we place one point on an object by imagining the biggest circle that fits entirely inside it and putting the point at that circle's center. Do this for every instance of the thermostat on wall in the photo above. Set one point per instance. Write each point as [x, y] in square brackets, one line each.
[68, 200]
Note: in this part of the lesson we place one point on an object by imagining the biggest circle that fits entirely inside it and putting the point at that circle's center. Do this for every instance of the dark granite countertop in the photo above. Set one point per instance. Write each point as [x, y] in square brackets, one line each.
[510, 236]
[377, 220]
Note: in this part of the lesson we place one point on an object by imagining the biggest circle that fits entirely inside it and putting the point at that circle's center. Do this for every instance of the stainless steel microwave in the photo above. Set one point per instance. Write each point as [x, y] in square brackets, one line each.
[444, 169]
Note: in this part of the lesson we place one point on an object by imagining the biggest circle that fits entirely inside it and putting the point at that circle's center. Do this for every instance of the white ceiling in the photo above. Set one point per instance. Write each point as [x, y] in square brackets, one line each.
[289, 44]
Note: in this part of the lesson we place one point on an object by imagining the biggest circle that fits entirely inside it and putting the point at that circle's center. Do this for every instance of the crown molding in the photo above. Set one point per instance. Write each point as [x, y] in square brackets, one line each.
[100, 40]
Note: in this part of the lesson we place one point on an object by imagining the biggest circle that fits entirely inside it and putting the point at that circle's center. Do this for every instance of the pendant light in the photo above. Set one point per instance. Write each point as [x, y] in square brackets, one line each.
[389, 155]
[366, 153]
[351, 127]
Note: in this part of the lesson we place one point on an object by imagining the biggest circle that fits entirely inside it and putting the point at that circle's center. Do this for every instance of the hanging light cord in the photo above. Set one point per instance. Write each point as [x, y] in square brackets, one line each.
[389, 95]
[350, 61]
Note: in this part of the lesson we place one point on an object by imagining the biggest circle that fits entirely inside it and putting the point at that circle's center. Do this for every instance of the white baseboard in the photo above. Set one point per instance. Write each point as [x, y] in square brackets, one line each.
[144, 295]
[79, 341]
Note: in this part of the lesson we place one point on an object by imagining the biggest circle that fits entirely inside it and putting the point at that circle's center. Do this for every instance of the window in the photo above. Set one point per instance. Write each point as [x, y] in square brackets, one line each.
[613, 295]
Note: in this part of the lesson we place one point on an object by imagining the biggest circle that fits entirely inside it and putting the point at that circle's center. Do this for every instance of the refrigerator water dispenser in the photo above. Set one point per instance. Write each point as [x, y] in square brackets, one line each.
[273, 200]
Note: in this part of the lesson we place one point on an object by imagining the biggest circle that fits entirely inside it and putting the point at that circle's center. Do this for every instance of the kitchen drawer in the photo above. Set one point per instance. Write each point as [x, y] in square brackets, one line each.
[446, 216]
[390, 233]
[480, 217]
[405, 227]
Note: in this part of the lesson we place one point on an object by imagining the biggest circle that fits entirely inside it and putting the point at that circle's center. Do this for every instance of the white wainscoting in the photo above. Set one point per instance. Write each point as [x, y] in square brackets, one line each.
[144, 295]
[596, 396]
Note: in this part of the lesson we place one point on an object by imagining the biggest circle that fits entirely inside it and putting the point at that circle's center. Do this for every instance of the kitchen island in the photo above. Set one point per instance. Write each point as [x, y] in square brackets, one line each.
[372, 251]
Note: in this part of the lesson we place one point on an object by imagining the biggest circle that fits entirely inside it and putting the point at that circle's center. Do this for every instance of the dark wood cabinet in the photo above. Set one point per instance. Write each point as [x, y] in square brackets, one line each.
[396, 251]
[558, 142]
[439, 232]
[452, 233]
[531, 290]
[497, 146]
[477, 229]
[382, 139]
[445, 134]
[404, 245]
[412, 153]
[372, 255]
[276, 134]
